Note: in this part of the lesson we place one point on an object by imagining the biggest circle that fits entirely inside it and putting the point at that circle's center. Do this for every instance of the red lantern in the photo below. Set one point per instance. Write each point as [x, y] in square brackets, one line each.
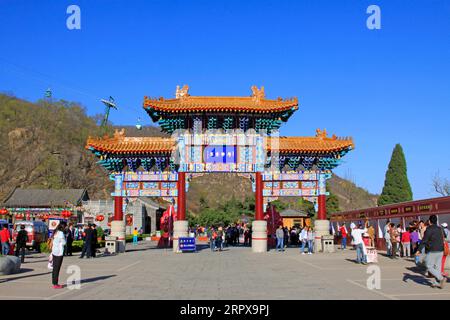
[3, 211]
[66, 214]
[100, 217]
[129, 219]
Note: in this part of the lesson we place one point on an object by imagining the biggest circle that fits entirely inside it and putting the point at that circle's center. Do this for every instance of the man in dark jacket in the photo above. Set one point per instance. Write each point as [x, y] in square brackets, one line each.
[21, 242]
[87, 245]
[433, 242]
[94, 241]
[69, 240]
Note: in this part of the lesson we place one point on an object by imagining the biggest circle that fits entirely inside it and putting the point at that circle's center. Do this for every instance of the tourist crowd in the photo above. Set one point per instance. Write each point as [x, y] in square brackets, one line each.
[220, 237]
[295, 236]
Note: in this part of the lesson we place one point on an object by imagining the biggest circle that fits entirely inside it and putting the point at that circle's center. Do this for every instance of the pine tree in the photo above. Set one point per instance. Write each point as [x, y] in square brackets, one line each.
[396, 185]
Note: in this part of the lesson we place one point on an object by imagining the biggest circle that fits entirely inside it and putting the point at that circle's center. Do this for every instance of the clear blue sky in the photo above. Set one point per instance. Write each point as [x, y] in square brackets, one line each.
[382, 87]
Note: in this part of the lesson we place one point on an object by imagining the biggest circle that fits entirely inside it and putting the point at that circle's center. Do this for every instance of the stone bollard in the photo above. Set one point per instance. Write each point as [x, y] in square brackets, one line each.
[180, 229]
[259, 236]
[118, 230]
[321, 228]
[9, 265]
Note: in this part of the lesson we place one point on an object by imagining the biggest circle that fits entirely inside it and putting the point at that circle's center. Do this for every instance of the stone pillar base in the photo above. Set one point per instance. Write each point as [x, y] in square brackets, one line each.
[180, 229]
[118, 230]
[321, 228]
[259, 236]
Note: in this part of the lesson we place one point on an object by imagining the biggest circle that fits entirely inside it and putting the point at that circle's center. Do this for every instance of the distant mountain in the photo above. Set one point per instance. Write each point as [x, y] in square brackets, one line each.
[42, 146]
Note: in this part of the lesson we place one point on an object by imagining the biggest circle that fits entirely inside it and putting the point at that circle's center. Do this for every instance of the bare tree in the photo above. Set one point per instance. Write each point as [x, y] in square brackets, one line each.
[441, 185]
[348, 189]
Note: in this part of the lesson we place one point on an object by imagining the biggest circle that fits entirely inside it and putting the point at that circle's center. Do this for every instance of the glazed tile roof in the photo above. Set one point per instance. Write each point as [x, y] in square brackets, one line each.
[127, 145]
[311, 144]
[45, 197]
[120, 144]
[256, 103]
[220, 104]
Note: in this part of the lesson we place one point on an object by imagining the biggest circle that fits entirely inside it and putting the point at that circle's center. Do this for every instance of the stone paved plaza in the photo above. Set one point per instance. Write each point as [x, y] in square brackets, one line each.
[145, 272]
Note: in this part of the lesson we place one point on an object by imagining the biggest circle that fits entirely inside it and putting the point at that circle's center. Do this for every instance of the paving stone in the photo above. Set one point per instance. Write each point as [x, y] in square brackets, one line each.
[237, 273]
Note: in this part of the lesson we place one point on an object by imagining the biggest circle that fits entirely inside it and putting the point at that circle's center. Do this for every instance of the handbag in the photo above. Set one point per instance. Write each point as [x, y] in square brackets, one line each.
[50, 262]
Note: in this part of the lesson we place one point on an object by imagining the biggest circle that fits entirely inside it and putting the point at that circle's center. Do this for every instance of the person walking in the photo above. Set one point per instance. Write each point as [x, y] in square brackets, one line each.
[387, 238]
[246, 236]
[280, 238]
[94, 241]
[21, 242]
[371, 233]
[87, 245]
[4, 237]
[446, 244]
[303, 239]
[414, 237]
[59, 241]
[395, 239]
[433, 243]
[361, 256]
[344, 233]
[219, 238]
[135, 236]
[70, 236]
[286, 237]
[406, 243]
[310, 238]
[212, 238]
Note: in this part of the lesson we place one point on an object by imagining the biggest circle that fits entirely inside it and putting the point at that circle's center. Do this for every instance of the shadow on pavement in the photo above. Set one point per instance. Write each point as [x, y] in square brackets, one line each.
[95, 279]
[28, 262]
[352, 260]
[24, 277]
[420, 279]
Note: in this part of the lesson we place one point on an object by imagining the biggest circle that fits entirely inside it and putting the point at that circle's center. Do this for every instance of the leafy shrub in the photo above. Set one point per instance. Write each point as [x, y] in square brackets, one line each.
[44, 247]
[129, 238]
[100, 233]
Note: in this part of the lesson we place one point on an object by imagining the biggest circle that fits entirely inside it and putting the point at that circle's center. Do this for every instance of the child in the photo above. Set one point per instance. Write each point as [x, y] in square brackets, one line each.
[406, 243]
[135, 236]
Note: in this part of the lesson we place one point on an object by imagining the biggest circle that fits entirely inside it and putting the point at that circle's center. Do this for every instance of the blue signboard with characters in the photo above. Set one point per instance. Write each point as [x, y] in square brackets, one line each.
[220, 154]
[187, 244]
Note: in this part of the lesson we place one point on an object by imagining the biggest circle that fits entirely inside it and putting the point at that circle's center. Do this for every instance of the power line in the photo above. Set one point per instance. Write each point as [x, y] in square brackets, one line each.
[29, 73]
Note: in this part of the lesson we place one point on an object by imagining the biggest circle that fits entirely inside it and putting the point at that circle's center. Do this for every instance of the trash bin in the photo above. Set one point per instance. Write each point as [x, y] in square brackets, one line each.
[328, 243]
[111, 245]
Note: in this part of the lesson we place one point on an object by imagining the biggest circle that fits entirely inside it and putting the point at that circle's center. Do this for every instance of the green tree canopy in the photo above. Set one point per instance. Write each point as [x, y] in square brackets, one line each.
[332, 204]
[396, 185]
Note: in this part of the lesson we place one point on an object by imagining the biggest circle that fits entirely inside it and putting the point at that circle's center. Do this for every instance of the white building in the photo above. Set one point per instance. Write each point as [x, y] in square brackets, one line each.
[141, 212]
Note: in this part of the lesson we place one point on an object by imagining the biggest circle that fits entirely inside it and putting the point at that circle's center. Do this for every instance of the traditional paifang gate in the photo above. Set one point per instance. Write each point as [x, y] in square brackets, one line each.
[221, 134]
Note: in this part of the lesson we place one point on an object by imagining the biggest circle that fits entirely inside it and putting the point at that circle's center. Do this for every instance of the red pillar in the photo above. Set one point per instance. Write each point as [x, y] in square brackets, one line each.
[259, 213]
[322, 213]
[118, 208]
[181, 186]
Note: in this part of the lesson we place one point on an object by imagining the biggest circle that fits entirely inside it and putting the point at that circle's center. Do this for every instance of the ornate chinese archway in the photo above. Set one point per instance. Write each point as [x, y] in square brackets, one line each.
[221, 134]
